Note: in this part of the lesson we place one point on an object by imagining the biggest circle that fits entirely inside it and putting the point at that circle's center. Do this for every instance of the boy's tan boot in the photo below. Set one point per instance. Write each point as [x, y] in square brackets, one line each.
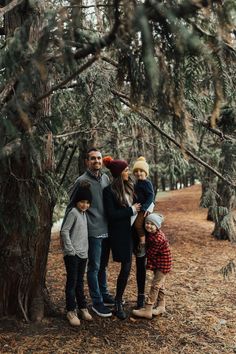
[85, 315]
[73, 318]
[161, 302]
[145, 312]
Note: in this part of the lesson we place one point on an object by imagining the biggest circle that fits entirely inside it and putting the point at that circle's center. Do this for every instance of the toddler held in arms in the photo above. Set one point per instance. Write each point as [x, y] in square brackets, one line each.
[144, 193]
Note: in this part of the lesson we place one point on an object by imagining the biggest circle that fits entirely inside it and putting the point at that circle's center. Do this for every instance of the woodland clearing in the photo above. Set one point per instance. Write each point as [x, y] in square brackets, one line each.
[201, 311]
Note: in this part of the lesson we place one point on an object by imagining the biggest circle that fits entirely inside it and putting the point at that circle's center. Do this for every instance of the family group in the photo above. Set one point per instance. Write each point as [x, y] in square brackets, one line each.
[115, 215]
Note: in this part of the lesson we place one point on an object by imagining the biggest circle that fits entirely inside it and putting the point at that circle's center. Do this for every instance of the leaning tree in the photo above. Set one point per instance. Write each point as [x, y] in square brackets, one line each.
[35, 55]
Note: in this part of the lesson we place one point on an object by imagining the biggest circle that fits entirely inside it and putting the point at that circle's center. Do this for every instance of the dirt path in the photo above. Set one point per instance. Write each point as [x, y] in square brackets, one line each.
[201, 311]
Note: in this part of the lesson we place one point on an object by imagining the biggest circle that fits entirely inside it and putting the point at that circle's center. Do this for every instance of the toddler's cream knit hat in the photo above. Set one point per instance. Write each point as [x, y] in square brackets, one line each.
[141, 164]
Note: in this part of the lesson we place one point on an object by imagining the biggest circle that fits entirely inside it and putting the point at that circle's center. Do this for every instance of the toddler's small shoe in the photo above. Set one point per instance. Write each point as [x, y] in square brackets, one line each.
[73, 318]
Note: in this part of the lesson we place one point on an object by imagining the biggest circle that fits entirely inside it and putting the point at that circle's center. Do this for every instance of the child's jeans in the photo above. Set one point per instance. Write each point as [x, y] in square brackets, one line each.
[139, 224]
[158, 282]
[75, 269]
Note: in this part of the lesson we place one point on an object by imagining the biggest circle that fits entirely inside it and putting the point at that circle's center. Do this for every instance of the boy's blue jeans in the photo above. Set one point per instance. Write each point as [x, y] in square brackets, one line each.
[98, 257]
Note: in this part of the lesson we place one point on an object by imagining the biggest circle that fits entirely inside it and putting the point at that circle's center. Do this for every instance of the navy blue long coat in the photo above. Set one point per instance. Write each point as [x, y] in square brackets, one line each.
[119, 227]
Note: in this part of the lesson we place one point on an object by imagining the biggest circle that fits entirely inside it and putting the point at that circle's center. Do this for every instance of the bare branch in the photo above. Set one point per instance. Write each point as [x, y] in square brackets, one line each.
[204, 124]
[213, 130]
[66, 134]
[10, 6]
[68, 79]
[10, 148]
[181, 147]
[103, 42]
[68, 165]
[61, 159]
[109, 60]
[88, 6]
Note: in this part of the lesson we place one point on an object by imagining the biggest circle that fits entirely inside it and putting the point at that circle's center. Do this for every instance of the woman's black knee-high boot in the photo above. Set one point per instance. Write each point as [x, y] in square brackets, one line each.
[119, 310]
[140, 301]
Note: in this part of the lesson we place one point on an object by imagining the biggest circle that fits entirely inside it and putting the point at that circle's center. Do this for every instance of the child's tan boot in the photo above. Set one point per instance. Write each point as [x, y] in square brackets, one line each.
[73, 318]
[85, 315]
[159, 310]
[145, 312]
[161, 302]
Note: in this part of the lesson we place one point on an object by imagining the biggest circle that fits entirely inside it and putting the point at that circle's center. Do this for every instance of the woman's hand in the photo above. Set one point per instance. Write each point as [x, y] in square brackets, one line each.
[137, 206]
[146, 213]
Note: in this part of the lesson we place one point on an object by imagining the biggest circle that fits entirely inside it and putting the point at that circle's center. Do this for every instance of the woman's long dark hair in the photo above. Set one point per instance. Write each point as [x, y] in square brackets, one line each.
[123, 188]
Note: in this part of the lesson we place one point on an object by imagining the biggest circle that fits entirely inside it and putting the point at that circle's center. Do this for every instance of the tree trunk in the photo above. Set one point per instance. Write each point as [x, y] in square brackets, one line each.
[172, 182]
[163, 183]
[26, 220]
[224, 216]
[155, 170]
[26, 194]
[83, 148]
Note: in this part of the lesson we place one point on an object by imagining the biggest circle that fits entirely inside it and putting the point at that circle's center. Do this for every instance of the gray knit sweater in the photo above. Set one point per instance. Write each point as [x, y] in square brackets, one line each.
[97, 223]
[74, 234]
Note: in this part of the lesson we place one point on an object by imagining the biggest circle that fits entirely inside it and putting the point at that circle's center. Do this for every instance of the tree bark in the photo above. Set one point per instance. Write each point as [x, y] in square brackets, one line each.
[27, 197]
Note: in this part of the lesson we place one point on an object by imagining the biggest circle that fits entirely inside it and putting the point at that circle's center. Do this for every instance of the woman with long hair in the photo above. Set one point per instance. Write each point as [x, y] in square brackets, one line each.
[121, 212]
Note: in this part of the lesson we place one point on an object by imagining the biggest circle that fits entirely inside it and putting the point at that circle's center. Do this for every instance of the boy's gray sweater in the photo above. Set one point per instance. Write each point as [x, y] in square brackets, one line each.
[74, 234]
[97, 223]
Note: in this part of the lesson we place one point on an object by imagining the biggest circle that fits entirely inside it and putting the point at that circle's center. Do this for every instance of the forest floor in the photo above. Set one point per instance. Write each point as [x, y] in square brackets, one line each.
[201, 304]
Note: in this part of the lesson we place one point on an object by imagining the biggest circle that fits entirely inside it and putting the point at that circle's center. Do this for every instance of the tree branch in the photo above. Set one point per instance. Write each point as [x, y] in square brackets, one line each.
[204, 124]
[10, 6]
[68, 79]
[88, 6]
[10, 148]
[103, 42]
[68, 165]
[213, 130]
[181, 147]
[57, 169]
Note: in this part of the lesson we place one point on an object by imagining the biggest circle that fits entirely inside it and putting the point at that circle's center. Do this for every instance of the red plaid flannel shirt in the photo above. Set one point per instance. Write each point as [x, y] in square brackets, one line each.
[158, 252]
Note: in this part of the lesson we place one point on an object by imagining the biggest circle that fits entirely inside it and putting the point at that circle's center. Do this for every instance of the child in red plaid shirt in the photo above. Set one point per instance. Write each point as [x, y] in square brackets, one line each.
[159, 262]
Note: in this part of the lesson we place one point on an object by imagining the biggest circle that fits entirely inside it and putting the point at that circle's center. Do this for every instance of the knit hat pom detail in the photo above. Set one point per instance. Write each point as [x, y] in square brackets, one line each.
[141, 158]
[115, 166]
[107, 160]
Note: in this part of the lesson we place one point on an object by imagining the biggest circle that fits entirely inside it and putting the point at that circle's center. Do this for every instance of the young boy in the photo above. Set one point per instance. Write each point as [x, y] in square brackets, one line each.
[74, 237]
[145, 195]
[159, 261]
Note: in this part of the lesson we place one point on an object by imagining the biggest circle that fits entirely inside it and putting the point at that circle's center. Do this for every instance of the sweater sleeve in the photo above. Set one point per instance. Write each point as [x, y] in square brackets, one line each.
[149, 192]
[65, 233]
[111, 208]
